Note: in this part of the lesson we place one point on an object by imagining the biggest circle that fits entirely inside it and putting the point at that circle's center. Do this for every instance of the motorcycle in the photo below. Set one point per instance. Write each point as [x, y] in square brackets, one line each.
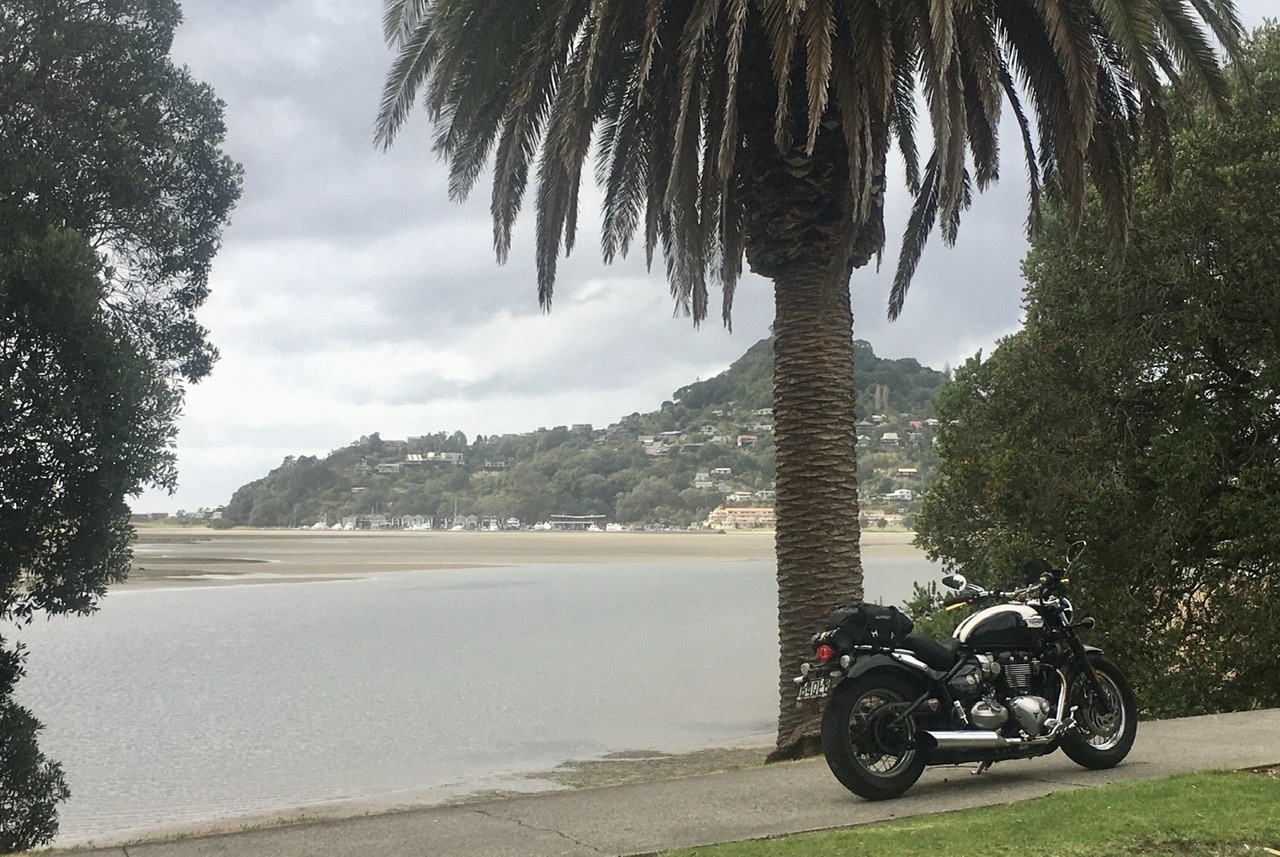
[1014, 681]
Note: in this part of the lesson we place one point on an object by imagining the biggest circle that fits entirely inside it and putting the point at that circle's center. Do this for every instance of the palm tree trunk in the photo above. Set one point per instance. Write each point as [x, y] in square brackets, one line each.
[819, 562]
[803, 236]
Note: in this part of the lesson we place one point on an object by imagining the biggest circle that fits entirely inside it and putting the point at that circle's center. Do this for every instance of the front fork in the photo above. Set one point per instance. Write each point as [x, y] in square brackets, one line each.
[1081, 656]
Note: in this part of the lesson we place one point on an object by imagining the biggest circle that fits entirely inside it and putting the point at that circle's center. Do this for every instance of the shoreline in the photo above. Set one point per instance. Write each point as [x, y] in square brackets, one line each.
[166, 557]
[613, 769]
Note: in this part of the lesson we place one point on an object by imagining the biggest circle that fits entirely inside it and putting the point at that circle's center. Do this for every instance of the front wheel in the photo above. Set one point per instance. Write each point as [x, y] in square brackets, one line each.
[869, 750]
[1106, 722]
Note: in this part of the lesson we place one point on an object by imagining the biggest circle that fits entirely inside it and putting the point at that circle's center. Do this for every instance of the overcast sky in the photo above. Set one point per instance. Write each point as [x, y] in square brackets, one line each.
[351, 296]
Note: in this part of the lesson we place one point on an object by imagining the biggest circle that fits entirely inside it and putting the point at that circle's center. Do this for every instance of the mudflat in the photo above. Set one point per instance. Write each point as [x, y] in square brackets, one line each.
[185, 556]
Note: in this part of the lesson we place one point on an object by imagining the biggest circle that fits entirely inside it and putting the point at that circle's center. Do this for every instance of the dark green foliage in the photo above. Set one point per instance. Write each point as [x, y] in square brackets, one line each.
[113, 194]
[749, 382]
[930, 618]
[581, 471]
[31, 786]
[1140, 409]
[103, 134]
[85, 420]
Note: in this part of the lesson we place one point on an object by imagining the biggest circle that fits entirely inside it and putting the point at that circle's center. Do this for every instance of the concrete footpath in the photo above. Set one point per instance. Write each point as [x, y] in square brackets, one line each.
[745, 804]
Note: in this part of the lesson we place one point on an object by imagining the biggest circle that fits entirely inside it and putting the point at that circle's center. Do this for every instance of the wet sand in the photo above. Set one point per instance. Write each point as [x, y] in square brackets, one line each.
[187, 556]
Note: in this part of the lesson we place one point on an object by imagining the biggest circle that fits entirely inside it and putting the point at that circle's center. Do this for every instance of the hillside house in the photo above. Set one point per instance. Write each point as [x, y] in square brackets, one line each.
[742, 518]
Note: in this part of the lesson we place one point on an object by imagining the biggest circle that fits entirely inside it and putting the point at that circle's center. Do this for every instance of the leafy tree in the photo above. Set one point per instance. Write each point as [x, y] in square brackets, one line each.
[31, 786]
[113, 192]
[1140, 409]
[760, 129]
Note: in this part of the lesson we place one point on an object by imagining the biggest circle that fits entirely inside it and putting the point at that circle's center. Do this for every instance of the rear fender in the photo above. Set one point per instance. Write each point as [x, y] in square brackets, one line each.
[885, 664]
[916, 675]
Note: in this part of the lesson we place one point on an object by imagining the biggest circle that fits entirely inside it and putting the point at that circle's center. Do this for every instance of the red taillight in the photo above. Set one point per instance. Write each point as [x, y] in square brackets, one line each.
[825, 653]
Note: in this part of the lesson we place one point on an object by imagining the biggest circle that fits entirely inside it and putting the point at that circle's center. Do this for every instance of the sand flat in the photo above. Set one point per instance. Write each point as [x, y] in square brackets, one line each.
[185, 556]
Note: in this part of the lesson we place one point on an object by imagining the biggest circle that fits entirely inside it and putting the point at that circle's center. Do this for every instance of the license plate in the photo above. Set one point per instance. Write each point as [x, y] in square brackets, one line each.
[814, 688]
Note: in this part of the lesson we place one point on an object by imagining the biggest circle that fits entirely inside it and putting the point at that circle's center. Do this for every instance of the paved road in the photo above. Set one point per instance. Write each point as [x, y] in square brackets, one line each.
[744, 804]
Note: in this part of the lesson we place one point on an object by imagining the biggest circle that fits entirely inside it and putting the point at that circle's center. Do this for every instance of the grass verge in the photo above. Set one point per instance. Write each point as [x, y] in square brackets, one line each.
[1225, 814]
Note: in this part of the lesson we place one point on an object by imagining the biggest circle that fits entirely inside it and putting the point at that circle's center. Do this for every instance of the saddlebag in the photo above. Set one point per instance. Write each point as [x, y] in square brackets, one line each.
[860, 624]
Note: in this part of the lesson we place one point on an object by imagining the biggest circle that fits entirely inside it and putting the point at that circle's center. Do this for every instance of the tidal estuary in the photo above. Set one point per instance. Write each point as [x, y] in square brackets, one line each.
[180, 706]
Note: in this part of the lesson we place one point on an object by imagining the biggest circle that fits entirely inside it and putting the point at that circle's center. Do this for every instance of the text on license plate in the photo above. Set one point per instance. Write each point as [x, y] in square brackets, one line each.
[814, 688]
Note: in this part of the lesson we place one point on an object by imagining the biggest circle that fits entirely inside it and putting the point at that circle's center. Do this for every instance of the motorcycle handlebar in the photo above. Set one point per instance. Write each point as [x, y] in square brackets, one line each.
[1050, 584]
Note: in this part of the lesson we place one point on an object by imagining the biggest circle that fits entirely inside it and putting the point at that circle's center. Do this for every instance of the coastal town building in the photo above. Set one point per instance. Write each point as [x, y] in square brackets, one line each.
[742, 517]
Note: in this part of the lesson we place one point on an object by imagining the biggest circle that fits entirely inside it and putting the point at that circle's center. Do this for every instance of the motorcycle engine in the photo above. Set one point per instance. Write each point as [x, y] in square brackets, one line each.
[1031, 713]
[1001, 692]
[1020, 673]
[988, 714]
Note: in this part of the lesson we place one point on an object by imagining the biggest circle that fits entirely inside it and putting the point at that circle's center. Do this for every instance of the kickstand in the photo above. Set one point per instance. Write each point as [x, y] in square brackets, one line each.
[982, 768]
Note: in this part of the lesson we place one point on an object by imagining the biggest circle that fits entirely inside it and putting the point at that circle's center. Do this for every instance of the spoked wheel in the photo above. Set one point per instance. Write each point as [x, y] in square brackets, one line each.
[868, 749]
[1106, 722]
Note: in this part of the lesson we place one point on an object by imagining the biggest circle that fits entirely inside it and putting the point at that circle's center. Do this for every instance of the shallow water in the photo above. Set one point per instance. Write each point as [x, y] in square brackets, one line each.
[181, 705]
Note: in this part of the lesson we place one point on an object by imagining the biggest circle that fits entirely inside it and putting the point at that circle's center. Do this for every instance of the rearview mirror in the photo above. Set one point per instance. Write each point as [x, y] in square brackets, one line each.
[1074, 550]
[955, 581]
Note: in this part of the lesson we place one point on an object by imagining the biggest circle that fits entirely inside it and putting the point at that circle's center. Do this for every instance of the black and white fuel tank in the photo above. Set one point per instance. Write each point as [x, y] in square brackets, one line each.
[1002, 627]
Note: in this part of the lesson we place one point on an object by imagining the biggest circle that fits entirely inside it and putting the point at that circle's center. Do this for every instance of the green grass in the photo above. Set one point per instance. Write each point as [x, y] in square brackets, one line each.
[1196, 815]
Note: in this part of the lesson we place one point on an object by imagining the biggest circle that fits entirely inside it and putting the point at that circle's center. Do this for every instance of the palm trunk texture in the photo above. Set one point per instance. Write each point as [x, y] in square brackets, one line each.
[819, 561]
[799, 237]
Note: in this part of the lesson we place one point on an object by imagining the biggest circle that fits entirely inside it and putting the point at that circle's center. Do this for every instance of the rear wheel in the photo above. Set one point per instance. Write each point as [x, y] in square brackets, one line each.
[867, 747]
[1106, 722]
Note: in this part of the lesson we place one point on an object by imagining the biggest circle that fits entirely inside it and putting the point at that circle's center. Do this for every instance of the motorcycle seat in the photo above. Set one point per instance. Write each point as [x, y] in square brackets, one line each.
[935, 655]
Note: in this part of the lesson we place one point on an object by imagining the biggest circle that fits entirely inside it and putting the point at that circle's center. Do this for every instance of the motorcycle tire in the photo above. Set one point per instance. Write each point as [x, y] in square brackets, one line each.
[1102, 738]
[869, 755]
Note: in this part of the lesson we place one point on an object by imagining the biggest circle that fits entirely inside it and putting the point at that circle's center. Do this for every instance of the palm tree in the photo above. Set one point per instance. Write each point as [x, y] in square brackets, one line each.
[760, 129]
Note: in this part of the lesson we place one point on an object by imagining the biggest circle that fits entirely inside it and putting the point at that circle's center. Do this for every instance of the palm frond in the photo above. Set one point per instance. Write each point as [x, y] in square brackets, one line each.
[566, 144]
[865, 91]
[702, 108]
[649, 41]
[535, 79]
[1224, 23]
[902, 114]
[736, 16]
[1195, 56]
[780, 18]
[981, 67]
[817, 26]
[951, 219]
[1111, 151]
[693, 42]
[411, 36]
[622, 167]
[924, 214]
[1069, 26]
[1029, 152]
[942, 36]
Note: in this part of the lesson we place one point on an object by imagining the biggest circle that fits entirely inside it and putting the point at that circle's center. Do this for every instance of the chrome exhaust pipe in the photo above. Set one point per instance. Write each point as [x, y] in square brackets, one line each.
[974, 740]
[967, 740]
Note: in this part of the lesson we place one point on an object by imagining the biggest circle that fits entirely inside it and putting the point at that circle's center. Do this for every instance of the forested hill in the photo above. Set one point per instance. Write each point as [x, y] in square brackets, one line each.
[710, 445]
[907, 386]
